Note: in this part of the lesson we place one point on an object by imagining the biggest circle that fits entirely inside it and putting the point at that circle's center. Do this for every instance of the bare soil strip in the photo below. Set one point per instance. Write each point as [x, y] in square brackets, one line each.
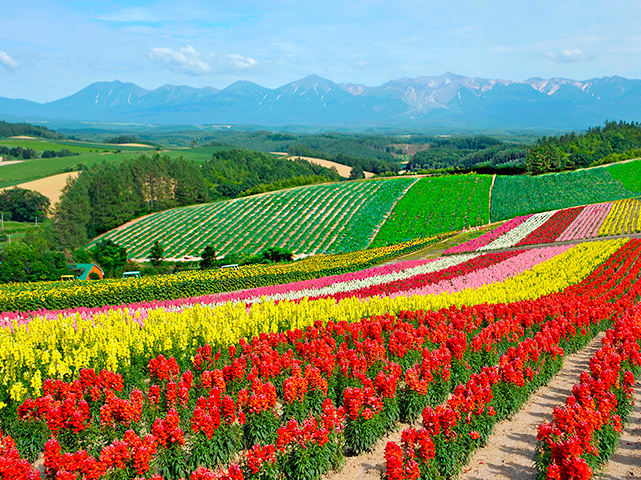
[509, 453]
[626, 461]
[489, 221]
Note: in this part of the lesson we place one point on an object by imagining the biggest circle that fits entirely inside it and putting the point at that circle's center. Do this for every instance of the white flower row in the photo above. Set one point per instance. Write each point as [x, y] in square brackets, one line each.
[517, 234]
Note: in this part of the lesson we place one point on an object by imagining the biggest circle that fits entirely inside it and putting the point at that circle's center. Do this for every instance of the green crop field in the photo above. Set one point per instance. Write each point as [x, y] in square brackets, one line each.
[437, 205]
[314, 219]
[629, 174]
[521, 195]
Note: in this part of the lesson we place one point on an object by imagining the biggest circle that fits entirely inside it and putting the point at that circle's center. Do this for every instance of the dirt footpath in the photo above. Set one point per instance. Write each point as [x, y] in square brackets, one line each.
[626, 461]
[509, 453]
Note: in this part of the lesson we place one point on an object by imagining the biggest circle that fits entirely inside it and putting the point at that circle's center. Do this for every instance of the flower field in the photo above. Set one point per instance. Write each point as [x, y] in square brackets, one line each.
[578, 223]
[331, 218]
[27, 297]
[282, 381]
[436, 205]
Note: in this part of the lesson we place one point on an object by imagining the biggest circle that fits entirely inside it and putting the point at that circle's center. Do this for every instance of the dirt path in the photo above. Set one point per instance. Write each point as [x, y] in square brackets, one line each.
[509, 453]
[368, 466]
[626, 461]
[490, 210]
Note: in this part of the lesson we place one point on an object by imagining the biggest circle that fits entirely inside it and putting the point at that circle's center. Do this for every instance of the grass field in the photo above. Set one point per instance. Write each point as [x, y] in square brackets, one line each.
[37, 168]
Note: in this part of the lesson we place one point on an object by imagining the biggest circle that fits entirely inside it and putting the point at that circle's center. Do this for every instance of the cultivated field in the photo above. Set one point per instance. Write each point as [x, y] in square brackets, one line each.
[50, 187]
[314, 219]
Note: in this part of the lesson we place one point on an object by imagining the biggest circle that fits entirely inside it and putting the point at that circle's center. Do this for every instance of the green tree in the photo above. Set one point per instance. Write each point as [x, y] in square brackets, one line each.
[155, 256]
[73, 214]
[110, 256]
[21, 262]
[356, 173]
[208, 258]
[24, 205]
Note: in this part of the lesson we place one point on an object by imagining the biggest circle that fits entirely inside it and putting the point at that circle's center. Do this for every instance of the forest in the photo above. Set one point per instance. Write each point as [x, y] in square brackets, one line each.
[236, 172]
[613, 142]
[462, 154]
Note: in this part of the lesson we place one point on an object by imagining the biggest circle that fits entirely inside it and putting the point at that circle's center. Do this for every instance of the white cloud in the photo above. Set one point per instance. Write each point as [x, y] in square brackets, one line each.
[570, 56]
[241, 62]
[7, 62]
[188, 60]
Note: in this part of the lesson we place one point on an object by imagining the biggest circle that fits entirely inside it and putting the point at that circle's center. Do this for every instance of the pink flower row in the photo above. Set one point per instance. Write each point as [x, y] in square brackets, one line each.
[493, 274]
[587, 224]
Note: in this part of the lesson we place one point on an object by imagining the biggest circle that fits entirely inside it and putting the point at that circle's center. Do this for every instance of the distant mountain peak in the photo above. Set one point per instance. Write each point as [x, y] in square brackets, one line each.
[446, 99]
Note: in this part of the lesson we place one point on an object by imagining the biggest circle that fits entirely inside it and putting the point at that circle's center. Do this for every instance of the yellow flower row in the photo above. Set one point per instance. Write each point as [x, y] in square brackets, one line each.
[624, 217]
[122, 340]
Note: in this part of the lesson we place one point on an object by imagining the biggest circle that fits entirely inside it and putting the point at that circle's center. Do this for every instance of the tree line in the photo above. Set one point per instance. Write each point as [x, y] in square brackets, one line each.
[237, 172]
[16, 129]
[470, 153]
[613, 142]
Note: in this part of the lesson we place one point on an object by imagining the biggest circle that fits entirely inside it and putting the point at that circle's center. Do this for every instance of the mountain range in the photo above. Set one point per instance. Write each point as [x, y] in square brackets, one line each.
[445, 100]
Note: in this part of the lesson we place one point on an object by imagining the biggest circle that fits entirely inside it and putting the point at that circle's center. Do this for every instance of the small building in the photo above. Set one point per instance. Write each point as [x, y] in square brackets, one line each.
[89, 268]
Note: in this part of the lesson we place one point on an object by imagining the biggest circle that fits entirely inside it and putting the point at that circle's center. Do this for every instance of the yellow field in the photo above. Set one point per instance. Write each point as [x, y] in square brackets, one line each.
[51, 187]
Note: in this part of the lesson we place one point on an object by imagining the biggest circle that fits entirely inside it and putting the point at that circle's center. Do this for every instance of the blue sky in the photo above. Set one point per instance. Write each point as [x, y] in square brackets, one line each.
[49, 50]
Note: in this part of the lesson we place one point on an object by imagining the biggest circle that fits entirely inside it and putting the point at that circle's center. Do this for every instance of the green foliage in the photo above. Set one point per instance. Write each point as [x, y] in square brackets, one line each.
[123, 139]
[437, 205]
[110, 256]
[108, 195]
[155, 256]
[232, 172]
[28, 263]
[271, 255]
[16, 129]
[65, 152]
[18, 153]
[521, 195]
[453, 154]
[597, 146]
[208, 258]
[24, 205]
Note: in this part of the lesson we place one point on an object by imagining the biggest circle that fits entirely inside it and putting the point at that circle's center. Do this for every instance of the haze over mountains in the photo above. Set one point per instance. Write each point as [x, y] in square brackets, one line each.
[447, 100]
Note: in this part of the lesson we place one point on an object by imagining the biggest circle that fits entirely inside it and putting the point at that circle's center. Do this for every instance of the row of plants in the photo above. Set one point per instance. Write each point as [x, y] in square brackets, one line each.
[584, 432]
[576, 223]
[438, 204]
[330, 218]
[120, 339]
[552, 228]
[623, 218]
[289, 404]
[451, 432]
[587, 223]
[22, 298]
